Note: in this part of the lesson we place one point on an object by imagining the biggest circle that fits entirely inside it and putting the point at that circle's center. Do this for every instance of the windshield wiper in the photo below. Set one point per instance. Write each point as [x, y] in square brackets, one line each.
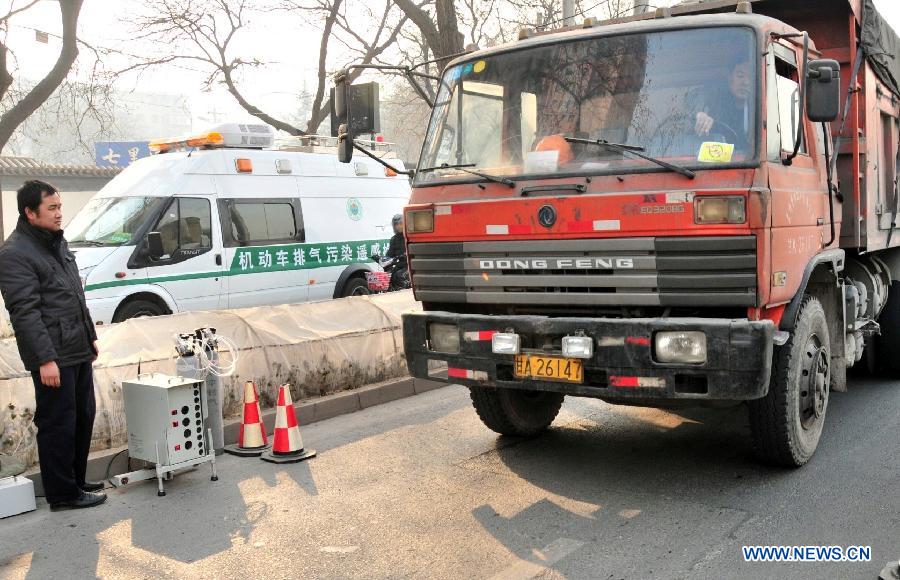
[634, 150]
[463, 166]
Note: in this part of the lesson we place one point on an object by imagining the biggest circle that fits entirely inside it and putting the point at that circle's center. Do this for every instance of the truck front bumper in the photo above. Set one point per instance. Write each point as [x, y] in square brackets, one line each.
[622, 368]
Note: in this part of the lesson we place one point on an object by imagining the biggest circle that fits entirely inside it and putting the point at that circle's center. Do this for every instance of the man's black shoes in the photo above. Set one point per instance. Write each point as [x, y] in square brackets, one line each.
[92, 486]
[85, 500]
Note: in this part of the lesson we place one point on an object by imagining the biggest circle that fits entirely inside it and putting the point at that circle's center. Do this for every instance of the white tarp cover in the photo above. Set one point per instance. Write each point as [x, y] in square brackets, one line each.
[319, 348]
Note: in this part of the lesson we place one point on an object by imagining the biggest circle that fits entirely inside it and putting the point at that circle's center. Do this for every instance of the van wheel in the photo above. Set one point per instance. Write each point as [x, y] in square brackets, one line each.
[787, 423]
[516, 412]
[137, 309]
[355, 287]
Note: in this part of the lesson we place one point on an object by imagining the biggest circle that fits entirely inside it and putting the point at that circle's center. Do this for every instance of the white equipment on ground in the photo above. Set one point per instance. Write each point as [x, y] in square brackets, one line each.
[16, 496]
[165, 417]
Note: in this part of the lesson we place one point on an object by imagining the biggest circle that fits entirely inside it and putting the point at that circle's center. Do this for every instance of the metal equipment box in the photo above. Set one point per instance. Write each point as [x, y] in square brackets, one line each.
[165, 419]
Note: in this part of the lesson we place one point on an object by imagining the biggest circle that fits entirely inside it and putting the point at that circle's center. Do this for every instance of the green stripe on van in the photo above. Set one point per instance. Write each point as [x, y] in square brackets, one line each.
[279, 258]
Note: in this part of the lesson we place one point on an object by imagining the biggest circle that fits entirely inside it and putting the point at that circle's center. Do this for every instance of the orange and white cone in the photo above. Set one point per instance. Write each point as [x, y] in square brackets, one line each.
[252, 440]
[287, 445]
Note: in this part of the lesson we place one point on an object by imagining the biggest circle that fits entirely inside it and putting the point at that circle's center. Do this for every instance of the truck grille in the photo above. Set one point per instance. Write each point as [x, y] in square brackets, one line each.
[676, 271]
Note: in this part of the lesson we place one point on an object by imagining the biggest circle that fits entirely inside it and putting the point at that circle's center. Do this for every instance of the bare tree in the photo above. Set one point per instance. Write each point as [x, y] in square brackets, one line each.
[29, 101]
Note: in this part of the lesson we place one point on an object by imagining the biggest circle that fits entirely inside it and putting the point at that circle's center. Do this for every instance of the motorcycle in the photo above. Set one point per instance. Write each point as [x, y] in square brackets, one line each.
[394, 277]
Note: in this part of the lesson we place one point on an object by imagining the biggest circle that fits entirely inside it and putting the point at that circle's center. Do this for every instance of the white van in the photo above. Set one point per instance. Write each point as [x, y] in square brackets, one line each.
[239, 225]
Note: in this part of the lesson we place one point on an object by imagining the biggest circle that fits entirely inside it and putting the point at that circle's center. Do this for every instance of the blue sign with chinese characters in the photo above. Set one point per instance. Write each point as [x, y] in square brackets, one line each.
[119, 153]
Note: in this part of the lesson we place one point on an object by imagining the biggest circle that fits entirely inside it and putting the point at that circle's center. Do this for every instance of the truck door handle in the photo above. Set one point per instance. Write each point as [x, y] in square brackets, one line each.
[218, 259]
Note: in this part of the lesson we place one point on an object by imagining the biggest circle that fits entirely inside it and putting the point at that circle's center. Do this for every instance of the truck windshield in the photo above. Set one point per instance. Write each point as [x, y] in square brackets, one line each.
[111, 221]
[687, 96]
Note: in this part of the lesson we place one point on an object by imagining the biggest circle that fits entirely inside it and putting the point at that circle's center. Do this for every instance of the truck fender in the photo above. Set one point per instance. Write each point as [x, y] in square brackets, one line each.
[349, 272]
[835, 259]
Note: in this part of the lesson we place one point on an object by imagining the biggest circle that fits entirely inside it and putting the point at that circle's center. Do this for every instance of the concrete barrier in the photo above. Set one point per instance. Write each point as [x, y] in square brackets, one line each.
[319, 348]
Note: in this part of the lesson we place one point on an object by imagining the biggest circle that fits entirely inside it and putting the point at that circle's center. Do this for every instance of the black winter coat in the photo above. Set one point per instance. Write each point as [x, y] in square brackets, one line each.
[42, 290]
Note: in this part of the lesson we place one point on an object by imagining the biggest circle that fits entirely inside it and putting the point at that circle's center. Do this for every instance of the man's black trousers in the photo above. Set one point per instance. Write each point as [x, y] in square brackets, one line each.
[65, 421]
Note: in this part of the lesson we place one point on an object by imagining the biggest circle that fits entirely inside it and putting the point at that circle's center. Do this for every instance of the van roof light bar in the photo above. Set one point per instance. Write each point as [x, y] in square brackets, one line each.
[225, 135]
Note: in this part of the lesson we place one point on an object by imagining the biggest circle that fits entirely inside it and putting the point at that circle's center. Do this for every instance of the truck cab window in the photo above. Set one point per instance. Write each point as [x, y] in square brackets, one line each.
[186, 226]
[789, 112]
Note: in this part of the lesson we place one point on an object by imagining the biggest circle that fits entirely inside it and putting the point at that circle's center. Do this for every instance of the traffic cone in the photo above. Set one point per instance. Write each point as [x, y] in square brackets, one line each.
[287, 446]
[252, 440]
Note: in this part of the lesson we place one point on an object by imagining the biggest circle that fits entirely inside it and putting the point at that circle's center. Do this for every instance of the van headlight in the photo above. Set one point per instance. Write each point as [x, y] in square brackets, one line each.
[719, 210]
[680, 347]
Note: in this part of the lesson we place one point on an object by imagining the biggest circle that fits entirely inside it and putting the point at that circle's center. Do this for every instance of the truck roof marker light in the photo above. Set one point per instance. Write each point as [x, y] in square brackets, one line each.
[243, 165]
[637, 340]
[388, 172]
[743, 8]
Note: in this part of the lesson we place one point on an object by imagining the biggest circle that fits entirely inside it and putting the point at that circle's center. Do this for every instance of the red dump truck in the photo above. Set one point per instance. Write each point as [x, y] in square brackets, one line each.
[692, 206]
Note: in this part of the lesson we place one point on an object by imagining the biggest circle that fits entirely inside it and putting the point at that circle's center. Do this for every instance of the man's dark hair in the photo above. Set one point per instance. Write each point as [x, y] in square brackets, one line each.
[32, 194]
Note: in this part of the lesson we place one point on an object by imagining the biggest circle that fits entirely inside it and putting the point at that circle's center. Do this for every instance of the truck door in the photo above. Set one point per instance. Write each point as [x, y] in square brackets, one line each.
[191, 267]
[799, 192]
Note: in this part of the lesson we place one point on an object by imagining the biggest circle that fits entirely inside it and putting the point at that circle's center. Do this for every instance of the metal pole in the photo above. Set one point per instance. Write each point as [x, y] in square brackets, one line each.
[568, 12]
[641, 6]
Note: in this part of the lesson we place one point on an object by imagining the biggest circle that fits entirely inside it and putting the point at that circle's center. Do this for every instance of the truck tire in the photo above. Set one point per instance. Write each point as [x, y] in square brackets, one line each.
[137, 309]
[887, 344]
[355, 287]
[787, 423]
[516, 412]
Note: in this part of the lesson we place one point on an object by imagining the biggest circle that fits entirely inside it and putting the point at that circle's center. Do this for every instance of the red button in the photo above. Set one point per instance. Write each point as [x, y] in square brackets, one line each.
[174, 411]
[174, 423]
[178, 448]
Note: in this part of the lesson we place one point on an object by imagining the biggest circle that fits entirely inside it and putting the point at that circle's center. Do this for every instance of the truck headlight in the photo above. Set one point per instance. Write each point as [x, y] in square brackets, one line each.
[420, 221]
[443, 337]
[680, 347]
[719, 210]
[505, 343]
[578, 346]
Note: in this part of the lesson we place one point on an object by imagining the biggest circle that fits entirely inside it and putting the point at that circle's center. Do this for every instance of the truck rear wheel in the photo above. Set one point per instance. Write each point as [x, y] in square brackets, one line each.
[516, 412]
[787, 423]
[887, 344]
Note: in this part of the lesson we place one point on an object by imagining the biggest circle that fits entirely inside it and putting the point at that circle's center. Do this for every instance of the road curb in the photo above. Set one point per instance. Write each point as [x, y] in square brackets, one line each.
[109, 462]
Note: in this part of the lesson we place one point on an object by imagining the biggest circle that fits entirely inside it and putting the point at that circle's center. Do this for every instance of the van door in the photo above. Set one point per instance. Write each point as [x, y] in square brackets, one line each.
[264, 251]
[191, 268]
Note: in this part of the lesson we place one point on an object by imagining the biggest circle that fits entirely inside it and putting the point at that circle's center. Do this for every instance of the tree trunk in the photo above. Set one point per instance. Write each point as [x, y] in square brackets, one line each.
[448, 27]
[42, 91]
[317, 114]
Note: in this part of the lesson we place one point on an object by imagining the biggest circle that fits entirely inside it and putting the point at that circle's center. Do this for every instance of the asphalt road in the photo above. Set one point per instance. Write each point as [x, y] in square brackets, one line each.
[418, 488]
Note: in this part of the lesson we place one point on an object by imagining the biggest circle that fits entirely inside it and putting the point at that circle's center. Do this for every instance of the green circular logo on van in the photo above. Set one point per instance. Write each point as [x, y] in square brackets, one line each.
[354, 209]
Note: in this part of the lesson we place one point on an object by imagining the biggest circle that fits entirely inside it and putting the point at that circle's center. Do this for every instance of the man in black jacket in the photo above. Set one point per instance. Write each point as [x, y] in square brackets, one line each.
[55, 334]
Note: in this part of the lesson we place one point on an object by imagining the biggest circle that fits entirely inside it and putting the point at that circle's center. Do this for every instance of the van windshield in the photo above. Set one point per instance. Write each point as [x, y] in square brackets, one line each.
[685, 96]
[111, 221]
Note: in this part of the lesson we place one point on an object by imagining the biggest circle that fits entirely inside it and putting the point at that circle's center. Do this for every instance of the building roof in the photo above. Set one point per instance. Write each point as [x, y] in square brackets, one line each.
[26, 166]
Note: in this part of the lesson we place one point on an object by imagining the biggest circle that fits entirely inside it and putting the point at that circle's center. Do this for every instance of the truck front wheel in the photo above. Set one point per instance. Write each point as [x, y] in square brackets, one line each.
[516, 412]
[787, 423]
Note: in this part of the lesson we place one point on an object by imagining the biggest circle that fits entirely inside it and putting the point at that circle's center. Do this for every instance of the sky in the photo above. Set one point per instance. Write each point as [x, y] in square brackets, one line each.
[288, 46]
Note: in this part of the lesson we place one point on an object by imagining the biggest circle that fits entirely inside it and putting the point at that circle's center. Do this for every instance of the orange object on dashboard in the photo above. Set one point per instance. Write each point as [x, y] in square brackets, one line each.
[557, 143]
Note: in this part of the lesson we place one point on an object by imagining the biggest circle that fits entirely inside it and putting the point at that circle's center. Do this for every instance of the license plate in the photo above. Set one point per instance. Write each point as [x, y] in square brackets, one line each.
[549, 368]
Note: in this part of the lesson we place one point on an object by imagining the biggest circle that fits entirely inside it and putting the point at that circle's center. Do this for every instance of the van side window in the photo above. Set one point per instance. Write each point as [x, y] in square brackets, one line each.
[788, 91]
[186, 226]
[247, 222]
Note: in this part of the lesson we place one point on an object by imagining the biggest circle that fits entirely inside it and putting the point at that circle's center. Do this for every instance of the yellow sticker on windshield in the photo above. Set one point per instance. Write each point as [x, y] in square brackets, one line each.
[479, 66]
[715, 152]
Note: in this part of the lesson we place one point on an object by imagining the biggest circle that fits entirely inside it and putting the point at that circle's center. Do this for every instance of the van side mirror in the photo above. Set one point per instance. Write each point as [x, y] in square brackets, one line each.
[823, 90]
[155, 245]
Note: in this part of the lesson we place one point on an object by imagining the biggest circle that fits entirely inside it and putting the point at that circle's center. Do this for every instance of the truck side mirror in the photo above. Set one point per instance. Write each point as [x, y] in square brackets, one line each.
[342, 115]
[345, 144]
[823, 90]
[155, 245]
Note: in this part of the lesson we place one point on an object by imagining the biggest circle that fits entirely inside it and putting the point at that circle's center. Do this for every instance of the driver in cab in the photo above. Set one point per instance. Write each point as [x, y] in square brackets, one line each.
[726, 112]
